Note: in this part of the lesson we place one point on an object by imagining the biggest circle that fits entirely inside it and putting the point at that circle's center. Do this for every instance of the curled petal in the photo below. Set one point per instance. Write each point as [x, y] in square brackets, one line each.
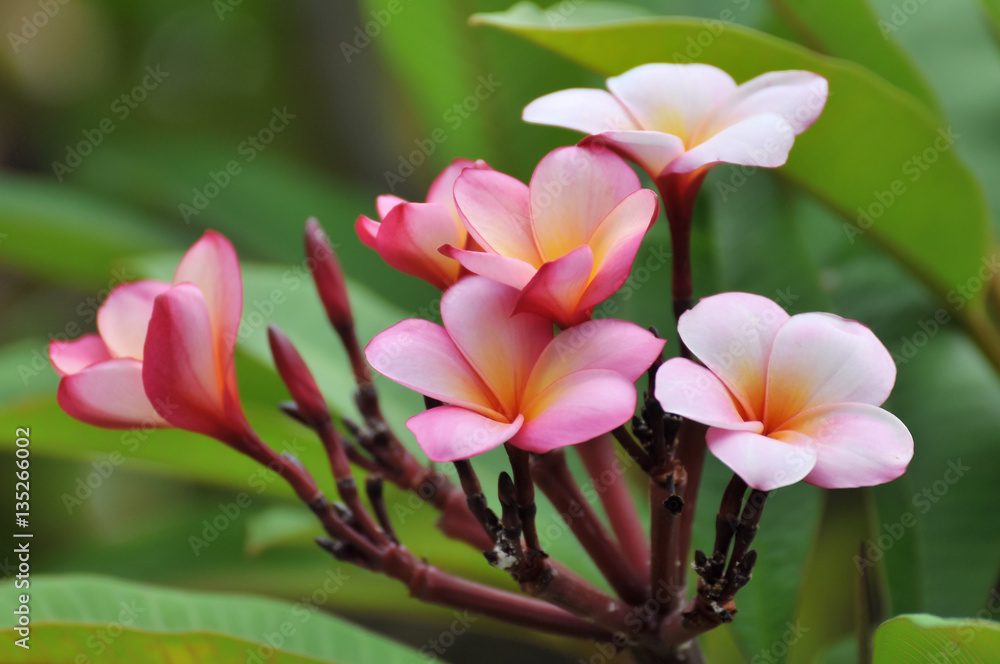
[409, 239]
[761, 140]
[732, 334]
[367, 230]
[555, 291]
[576, 408]
[821, 359]
[442, 190]
[70, 357]
[764, 463]
[110, 395]
[692, 391]
[857, 445]
[124, 316]
[385, 203]
[449, 433]
[652, 150]
[495, 209]
[798, 96]
[421, 356]
[583, 109]
[510, 271]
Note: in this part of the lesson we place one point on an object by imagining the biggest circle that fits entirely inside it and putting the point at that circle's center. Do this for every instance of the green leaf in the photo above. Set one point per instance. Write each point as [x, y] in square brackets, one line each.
[115, 621]
[925, 638]
[864, 144]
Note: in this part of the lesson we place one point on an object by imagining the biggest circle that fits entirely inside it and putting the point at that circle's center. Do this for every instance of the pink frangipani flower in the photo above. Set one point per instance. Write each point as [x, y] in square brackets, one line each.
[787, 398]
[164, 353]
[410, 234]
[506, 379]
[681, 118]
[566, 241]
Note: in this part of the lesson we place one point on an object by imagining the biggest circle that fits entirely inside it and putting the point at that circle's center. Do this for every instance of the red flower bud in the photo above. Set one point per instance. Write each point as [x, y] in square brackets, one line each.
[311, 405]
[328, 276]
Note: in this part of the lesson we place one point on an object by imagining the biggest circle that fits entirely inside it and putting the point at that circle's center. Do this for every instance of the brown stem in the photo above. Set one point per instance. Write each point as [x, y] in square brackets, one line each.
[525, 487]
[598, 457]
[347, 488]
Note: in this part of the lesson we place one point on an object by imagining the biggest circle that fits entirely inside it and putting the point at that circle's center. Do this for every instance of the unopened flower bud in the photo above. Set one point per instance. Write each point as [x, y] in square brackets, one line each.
[310, 405]
[329, 277]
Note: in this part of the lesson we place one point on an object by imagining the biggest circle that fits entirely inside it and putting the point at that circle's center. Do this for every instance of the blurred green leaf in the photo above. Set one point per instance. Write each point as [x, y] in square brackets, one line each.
[927, 638]
[992, 10]
[277, 526]
[864, 116]
[127, 623]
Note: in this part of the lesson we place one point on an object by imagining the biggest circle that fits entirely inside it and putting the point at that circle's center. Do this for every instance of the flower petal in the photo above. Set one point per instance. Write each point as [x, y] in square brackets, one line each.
[495, 209]
[616, 242]
[70, 357]
[575, 408]
[763, 463]
[409, 239]
[385, 203]
[449, 433]
[184, 378]
[511, 271]
[857, 444]
[442, 190]
[555, 291]
[211, 265]
[821, 359]
[615, 345]
[798, 96]
[672, 98]
[572, 190]
[501, 346]
[653, 151]
[124, 316]
[583, 109]
[732, 334]
[421, 356]
[110, 395]
[367, 230]
[692, 391]
[761, 140]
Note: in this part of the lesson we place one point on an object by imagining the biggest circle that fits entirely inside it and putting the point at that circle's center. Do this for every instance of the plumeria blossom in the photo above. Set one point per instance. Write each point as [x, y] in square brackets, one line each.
[787, 398]
[164, 353]
[567, 240]
[686, 118]
[410, 234]
[505, 377]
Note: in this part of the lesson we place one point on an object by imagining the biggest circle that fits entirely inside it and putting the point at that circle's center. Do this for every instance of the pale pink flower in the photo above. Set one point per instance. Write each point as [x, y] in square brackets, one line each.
[787, 398]
[164, 353]
[566, 241]
[506, 379]
[681, 118]
[410, 234]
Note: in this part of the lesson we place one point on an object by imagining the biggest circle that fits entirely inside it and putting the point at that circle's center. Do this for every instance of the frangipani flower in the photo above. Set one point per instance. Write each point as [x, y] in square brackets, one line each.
[566, 241]
[681, 118]
[506, 379]
[164, 353]
[787, 398]
[410, 234]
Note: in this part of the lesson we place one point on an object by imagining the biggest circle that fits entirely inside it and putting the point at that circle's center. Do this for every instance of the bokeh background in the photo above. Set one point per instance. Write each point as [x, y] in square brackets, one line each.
[128, 128]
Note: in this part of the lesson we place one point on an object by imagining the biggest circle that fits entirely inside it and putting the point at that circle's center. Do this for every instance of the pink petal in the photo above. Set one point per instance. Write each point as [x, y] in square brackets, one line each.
[694, 392]
[615, 345]
[502, 347]
[409, 239]
[857, 444]
[761, 140]
[449, 433]
[70, 357]
[385, 203]
[583, 109]
[798, 96]
[616, 242]
[732, 334]
[367, 230]
[763, 463]
[124, 316]
[575, 408]
[495, 209]
[110, 395]
[672, 98]
[821, 359]
[442, 190]
[572, 190]
[555, 291]
[184, 378]
[421, 356]
[211, 265]
[653, 151]
[511, 271]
